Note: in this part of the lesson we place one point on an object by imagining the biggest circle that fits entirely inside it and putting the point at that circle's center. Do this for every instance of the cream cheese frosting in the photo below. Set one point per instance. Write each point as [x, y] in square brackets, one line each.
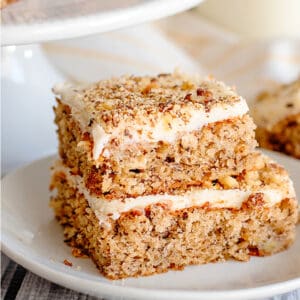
[229, 198]
[164, 127]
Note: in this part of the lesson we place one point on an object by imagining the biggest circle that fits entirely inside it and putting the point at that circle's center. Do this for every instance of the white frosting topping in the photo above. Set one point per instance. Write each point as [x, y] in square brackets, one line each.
[100, 139]
[72, 97]
[198, 119]
[231, 198]
[165, 128]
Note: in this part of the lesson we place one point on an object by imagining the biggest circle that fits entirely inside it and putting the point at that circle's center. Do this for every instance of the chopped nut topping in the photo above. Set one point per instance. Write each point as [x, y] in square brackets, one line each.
[133, 99]
[188, 96]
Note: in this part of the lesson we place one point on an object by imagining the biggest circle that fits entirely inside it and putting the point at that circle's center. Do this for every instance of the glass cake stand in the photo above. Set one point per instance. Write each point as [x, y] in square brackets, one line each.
[27, 74]
[32, 21]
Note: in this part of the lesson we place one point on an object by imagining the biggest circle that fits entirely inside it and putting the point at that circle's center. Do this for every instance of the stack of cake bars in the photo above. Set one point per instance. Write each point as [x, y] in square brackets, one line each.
[157, 173]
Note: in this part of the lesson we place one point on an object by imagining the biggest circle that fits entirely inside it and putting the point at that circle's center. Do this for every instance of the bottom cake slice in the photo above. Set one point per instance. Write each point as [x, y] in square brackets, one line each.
[254, 213]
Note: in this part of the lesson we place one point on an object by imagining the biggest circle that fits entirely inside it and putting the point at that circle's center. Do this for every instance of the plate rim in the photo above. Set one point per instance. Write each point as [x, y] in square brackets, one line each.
[71, 27]
[69, 279]
[107, 289]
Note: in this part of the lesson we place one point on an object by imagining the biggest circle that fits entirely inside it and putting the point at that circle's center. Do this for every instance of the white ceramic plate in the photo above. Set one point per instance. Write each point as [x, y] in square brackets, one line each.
[29, 21]
[32, 237]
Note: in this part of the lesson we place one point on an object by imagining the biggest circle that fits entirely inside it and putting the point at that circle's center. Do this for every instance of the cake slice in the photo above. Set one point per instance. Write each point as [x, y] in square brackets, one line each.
[134, 136]
[277, 114]
[235, 217]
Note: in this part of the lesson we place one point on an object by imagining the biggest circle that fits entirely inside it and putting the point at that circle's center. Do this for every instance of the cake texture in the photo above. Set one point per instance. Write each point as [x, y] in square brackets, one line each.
[139, 135]
[157, 173]
[277, 115]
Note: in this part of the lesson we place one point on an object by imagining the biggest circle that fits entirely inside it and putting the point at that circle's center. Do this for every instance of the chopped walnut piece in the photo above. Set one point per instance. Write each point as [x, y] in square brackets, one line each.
[186, 85]
[229, 182]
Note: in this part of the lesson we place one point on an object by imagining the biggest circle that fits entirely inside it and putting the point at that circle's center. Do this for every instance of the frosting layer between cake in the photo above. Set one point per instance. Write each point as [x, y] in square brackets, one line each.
[214, 198]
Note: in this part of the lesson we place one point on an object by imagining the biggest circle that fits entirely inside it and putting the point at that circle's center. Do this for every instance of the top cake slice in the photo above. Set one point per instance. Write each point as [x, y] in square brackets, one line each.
[132, 136]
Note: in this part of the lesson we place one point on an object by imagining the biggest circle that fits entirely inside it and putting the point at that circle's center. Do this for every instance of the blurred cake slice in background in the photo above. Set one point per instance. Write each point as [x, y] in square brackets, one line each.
[277, 116]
